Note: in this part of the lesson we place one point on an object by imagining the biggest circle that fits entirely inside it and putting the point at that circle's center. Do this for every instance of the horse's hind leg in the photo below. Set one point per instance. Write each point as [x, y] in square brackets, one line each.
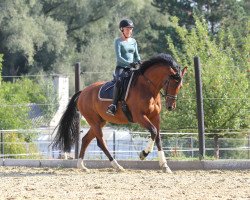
[85, 142]
[96, 123]
[102, 144]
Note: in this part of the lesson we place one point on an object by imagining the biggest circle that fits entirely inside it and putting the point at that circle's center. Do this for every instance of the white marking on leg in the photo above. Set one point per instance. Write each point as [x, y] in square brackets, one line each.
[65, 156]
[116, 165]
[80, 165]
[163, 162]
[150, 146]
[162, 159]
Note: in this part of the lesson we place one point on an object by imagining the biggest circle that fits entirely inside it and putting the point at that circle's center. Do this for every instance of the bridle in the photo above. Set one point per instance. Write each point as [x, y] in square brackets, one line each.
[176, 77]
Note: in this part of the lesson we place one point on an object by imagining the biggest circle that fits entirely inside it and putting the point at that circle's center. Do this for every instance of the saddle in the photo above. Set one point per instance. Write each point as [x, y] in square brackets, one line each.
[106, 92]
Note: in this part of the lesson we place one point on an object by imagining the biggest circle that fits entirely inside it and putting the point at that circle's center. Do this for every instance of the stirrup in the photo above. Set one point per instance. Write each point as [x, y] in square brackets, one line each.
[111, 109]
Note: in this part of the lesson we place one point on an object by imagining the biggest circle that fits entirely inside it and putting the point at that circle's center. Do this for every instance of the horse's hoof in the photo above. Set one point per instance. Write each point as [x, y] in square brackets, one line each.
[85, 169]
[142, 155]
[120, 169]
[116, 166]
[80, 165]
[166, 170]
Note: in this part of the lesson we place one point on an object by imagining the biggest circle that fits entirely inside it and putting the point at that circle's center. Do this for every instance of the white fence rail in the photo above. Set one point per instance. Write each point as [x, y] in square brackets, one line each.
[124, 145]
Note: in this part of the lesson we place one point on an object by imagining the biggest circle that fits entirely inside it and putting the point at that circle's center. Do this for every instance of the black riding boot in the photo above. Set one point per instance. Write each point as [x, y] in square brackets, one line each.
[113, 107]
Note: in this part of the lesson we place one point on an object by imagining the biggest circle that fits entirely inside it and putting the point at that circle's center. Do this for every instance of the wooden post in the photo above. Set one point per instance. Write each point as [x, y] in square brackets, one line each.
[2, 145]
[114, 143]
[77, 88]
[200, 110]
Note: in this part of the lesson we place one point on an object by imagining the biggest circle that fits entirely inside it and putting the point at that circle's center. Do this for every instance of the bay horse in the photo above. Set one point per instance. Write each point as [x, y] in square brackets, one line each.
[143, 100]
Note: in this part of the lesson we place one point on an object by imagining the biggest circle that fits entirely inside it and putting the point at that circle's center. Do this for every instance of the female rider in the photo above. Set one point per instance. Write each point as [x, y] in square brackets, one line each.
[127, 56]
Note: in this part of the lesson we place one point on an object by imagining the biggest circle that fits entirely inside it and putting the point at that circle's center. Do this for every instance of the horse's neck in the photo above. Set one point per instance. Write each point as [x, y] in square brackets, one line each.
[157, 76]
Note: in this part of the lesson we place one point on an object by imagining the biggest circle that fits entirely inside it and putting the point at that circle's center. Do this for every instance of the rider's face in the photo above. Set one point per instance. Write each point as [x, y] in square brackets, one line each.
[127, 31]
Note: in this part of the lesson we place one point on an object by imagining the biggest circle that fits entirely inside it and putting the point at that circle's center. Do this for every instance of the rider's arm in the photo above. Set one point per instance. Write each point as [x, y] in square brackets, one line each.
[136, 54]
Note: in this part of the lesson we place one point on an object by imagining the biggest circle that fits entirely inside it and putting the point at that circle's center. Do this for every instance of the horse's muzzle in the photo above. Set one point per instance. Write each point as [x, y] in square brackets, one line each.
[170, 105]
[170, 108]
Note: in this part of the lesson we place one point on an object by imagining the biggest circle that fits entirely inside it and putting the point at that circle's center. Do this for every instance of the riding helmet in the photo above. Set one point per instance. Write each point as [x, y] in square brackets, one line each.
[126, 23]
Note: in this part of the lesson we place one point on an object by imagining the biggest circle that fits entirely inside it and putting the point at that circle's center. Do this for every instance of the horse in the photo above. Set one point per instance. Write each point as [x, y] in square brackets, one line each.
[144, 101]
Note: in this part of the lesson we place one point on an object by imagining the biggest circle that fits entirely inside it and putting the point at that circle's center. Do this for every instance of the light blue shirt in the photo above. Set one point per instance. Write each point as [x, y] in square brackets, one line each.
[126, 52]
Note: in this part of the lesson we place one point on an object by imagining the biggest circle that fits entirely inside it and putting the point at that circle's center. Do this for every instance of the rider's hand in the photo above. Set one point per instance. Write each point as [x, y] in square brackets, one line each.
[133, 64]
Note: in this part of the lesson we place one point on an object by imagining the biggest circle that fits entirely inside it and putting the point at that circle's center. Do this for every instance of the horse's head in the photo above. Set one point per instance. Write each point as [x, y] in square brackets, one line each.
[172, 86]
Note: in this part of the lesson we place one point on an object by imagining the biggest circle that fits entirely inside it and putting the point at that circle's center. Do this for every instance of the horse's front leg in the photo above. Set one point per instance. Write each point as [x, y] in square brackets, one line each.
[161, 155]
[147, 124]
[154, 129]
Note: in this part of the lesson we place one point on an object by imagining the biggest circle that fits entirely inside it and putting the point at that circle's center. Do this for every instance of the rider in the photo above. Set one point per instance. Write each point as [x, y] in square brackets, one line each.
[127, 56]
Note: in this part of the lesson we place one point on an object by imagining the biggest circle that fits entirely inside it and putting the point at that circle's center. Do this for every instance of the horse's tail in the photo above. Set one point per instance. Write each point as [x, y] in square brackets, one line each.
[67, 127]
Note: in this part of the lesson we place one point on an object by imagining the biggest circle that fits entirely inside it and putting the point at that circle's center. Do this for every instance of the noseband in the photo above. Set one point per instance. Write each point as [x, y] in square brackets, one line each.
[177, 78]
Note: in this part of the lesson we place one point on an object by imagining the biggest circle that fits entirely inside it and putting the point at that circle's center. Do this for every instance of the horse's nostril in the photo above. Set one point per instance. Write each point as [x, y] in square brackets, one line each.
[170, 108]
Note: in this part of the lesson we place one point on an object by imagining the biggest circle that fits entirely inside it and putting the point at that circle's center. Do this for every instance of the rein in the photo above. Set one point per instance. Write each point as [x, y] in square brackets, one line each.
[166, 84]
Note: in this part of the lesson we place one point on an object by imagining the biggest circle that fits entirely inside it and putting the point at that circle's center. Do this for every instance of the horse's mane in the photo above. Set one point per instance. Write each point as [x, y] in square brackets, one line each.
[162, 58]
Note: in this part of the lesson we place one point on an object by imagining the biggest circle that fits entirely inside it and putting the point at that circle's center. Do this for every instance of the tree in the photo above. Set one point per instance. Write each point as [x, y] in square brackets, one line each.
[224, 77]
[182, 9]
[215, 12]
[26, 35]
[14, 101]
[1, 60]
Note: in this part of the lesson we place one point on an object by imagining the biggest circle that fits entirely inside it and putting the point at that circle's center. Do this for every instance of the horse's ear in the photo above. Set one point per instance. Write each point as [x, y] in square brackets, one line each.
[184, 71]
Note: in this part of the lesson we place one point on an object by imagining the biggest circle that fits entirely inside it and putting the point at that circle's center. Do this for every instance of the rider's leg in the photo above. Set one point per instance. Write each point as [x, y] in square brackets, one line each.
[113, 107]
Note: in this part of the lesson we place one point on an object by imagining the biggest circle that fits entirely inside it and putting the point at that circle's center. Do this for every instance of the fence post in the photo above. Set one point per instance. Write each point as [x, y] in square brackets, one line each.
[114, 147]
[248, 146]
[200, 110]
[192, 146]
[77, 88]
[2, 145]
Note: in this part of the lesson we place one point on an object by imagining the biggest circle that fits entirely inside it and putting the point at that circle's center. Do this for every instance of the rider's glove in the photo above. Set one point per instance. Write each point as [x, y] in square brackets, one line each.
[133, 64]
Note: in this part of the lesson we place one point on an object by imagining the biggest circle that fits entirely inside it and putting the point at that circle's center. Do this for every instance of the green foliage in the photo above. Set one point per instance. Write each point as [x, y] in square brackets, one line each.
[229, 148]
[15, 107]
[14, 101]
[225, 84]
[1, 60]
[26, 34]
[53, 35]
[181, 9]
[17, 144]
[45, 97]
[217, 13]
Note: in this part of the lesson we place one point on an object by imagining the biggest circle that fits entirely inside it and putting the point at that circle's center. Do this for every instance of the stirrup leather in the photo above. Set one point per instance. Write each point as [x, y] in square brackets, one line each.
[111, 109]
